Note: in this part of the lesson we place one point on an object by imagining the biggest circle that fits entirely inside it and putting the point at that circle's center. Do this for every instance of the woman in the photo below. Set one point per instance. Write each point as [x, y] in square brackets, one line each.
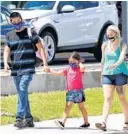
[114, 74]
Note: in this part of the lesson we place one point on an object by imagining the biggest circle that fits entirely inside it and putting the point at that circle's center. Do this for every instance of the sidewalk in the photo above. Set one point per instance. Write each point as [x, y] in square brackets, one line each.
[115, 124]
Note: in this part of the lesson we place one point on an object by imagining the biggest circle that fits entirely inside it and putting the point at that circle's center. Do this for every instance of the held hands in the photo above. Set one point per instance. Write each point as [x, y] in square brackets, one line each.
[46, 68]
[6, 67]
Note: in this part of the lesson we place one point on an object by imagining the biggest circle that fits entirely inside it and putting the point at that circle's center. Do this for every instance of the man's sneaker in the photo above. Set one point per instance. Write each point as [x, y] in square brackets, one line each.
[59, 124]
[85, 125]
[19, 123]
[29, 123]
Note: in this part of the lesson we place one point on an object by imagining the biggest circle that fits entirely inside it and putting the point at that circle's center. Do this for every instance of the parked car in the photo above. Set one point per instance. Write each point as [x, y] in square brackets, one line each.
[71, 25]
[4, 22]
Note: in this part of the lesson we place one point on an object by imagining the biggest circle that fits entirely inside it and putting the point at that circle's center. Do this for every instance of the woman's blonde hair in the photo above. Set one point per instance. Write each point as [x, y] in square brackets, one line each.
[115, 29]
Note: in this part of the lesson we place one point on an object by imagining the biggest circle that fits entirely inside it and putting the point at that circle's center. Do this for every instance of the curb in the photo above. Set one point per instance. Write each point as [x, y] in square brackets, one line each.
[44, 82]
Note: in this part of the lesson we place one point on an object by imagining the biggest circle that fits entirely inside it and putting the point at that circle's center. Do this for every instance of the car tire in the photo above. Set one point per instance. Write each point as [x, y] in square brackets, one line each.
[97, 50]
[97, 53]
[50, 46]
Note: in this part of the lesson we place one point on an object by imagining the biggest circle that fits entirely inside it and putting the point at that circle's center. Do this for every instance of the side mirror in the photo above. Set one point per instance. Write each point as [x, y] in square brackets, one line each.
[67, 9]
[11, 6]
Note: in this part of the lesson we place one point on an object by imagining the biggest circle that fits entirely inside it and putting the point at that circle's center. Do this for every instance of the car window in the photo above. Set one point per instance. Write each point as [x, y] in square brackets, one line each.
[85, 4]
[90, 4]
[3, 20]
[43, 5]
[63, 3]
[79, 5]
[5, 11]
[110, 2]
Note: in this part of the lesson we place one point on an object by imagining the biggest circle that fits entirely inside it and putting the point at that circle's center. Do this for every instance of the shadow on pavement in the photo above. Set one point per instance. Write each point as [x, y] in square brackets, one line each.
[109, 131]
[66, 128]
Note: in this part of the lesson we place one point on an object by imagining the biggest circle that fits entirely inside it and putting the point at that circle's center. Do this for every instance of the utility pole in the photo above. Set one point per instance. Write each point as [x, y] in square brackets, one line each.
[125, 22]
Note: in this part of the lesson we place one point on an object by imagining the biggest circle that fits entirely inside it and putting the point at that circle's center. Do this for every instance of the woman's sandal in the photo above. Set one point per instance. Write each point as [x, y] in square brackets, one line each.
[125, 126]
[101, 126]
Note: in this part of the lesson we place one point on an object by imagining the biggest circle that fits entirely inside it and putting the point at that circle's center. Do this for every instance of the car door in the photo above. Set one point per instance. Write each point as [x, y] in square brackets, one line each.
[90, 14]
[67, 26]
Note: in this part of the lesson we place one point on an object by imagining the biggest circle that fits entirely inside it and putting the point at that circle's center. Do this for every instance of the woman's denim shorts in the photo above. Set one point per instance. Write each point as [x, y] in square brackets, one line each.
[117, 79]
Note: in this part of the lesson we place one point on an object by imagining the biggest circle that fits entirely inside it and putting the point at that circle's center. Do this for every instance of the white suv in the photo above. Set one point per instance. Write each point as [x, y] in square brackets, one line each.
[71, 25]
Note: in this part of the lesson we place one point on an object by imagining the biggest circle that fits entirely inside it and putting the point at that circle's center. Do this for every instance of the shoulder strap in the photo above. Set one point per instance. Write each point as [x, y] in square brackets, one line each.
[121, 44]
[29, 32]
[102, 60]
[105, 44]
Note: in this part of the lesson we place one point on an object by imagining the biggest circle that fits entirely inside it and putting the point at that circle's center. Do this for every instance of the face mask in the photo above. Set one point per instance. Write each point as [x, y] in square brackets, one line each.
[112, 39]
[73, 65]
[19, 25]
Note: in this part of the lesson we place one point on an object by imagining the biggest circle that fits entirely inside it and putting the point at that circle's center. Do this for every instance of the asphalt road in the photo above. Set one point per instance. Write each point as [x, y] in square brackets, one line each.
[61, 60]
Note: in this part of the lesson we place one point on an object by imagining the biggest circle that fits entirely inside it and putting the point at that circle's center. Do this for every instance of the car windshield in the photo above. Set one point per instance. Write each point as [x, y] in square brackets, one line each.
[5, 11]
[42, 5]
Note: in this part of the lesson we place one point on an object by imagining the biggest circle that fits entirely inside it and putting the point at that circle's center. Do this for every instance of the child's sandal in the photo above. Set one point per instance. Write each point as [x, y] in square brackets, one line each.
[101, 126]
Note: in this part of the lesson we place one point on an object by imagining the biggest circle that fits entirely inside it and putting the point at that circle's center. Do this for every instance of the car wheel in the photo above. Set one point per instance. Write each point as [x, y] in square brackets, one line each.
[97, 50]
[50, 46]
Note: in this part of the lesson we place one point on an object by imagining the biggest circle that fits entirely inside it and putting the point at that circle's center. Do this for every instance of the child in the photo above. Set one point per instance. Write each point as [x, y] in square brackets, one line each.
[74, 92]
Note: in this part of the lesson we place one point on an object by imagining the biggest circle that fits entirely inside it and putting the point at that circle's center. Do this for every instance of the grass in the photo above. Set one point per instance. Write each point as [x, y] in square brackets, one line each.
[45, 106]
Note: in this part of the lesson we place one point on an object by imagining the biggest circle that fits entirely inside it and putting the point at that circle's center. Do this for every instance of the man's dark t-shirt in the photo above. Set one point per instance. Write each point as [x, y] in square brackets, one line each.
[22, 52]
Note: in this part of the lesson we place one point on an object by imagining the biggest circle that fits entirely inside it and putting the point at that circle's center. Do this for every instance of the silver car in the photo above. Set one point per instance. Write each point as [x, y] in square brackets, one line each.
[71, 25]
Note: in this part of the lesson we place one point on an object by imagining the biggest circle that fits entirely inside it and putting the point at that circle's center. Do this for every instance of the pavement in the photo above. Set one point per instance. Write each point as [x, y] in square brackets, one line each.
[114, 126]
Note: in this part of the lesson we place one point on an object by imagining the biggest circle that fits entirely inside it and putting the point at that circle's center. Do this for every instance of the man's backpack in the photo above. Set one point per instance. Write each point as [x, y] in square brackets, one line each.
[38, 59]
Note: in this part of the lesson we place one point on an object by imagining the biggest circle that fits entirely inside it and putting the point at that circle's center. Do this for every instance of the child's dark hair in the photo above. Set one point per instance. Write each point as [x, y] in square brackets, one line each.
[15, 14]
[75, 55]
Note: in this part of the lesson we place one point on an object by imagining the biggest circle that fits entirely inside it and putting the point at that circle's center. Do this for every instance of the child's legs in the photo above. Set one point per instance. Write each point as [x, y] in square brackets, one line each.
[84, 112]
[66, 111]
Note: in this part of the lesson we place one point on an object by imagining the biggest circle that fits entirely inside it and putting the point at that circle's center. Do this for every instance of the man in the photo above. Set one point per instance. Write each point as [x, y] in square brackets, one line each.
[21, 50]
